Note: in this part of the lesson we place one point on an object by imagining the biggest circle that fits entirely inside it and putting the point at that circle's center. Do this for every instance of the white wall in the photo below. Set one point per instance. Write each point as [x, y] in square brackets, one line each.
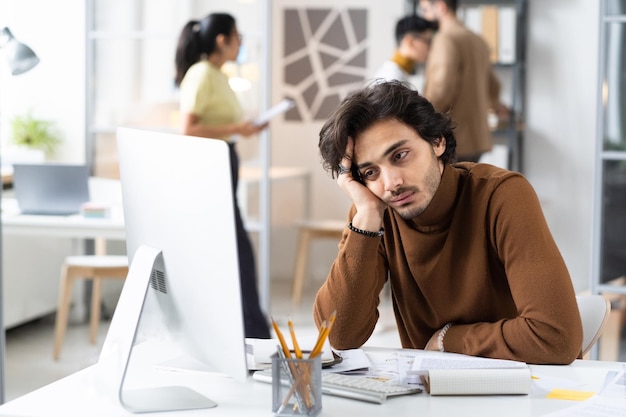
[560, 131]
[561, 122]
[54, 89]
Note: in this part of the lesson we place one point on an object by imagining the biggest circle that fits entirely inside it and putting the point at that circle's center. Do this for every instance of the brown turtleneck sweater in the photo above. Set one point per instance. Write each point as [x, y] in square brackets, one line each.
[480, 256]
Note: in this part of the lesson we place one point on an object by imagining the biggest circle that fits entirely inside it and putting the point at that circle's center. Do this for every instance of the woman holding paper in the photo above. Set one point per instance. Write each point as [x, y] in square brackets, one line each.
[209, 108]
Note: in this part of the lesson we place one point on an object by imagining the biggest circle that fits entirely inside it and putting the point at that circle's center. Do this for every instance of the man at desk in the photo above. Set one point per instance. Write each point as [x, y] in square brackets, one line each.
[472, 265]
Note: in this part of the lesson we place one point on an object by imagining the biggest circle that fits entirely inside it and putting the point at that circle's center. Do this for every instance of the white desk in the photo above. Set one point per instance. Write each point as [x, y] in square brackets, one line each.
[81, 394]
[251, 175]
[34, 248]
[74, 227]
[13, 223]
[77, 228]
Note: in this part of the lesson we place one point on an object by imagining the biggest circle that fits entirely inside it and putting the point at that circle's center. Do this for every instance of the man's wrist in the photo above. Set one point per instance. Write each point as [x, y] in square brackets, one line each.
[368, 233]
[441, 335]
[367, 220]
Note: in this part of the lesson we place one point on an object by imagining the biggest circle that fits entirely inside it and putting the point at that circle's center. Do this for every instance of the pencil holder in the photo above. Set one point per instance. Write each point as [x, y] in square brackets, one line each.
[296, 386]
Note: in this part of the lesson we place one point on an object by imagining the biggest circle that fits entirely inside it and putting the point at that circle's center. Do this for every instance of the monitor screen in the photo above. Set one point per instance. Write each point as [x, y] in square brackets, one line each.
[183, 277]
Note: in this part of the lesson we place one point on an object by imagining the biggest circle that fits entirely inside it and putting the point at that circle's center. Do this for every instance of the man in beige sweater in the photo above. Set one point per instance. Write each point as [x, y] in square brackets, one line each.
[459, 79]
[470, 260]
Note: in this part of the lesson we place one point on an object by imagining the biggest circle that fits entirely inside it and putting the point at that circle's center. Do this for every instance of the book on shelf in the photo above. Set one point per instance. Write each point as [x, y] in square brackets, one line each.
[473, 19]
[507, 20]
[490, 29]
[454, 374]
[497, 26]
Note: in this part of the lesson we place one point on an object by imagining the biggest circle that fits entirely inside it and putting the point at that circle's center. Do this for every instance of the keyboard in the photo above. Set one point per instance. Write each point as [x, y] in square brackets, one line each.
[357, 387]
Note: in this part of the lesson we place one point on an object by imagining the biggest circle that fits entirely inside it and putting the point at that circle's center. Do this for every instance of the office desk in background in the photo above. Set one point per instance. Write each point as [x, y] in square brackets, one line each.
[82, 394]
[78, 227]
[73, 227]
[250, 176]
[34, 248]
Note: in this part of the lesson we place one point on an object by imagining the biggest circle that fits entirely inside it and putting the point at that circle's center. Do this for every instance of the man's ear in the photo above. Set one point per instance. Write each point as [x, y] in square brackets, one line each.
[439, 146]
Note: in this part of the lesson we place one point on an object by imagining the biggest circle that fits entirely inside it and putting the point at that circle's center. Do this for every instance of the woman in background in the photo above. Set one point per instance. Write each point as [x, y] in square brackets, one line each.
[209, 108]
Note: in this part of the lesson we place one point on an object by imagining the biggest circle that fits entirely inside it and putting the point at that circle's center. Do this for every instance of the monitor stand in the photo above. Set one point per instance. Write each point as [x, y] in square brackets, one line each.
[171, 398]
[118, 345]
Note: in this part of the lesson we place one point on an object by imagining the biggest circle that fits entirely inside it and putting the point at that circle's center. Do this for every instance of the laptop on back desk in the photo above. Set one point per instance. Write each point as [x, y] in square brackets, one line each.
[50, 189]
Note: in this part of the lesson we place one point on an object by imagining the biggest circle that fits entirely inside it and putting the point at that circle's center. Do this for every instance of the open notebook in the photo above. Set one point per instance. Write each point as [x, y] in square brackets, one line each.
[455, 374]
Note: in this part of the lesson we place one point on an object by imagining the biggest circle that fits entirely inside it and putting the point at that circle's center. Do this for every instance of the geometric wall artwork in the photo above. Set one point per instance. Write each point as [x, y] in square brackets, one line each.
[324, 57]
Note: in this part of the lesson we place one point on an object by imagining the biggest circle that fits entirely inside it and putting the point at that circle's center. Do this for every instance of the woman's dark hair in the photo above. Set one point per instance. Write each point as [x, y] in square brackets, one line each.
[198, 38]
[382, 101]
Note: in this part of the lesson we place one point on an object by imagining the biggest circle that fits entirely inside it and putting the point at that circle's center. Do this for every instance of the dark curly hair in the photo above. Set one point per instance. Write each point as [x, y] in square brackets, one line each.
[381, 101]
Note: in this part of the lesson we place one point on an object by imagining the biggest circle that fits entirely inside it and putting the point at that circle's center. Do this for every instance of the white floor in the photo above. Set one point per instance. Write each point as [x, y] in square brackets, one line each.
[29, 363]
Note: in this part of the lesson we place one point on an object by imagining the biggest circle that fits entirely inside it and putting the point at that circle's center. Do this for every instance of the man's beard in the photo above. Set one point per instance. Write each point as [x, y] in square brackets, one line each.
[431, 183]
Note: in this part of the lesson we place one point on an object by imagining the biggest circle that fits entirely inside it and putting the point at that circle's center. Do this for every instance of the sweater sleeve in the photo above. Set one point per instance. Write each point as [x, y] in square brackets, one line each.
[494, 91]
[547, 328]
[352, 289]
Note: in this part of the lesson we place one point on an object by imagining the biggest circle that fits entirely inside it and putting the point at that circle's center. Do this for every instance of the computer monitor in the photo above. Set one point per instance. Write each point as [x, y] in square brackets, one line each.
[180, 237]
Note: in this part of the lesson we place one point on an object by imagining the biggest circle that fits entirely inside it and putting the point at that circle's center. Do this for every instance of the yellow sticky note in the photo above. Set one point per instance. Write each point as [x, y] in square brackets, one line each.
[568, 394]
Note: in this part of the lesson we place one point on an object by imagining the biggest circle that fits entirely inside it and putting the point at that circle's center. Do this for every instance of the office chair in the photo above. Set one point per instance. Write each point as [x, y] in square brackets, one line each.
[594, 313]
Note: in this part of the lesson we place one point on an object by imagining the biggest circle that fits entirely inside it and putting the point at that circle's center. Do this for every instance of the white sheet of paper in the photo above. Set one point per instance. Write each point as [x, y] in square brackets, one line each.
[352, 359]
[616, 388]
[437, 360]
[263, 349]
[280, 108]
[594, 407]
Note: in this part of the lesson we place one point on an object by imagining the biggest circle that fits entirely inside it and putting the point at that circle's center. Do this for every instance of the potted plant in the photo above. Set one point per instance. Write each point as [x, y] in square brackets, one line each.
[33, 133]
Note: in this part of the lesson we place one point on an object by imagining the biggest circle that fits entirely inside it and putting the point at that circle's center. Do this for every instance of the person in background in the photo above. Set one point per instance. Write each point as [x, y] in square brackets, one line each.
[413, 37]
[209, 108]
[472, 265]
[459, 79]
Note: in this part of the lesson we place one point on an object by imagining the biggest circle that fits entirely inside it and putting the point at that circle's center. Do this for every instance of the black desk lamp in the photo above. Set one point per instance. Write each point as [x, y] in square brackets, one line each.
[21, 59]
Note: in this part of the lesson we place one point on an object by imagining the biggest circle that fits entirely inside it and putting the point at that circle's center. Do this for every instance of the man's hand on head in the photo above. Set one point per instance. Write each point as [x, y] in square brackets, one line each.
[369, 207]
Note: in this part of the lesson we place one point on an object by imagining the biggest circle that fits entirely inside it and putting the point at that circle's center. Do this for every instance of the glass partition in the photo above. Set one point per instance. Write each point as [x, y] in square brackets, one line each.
[614, 87]
[615, 7]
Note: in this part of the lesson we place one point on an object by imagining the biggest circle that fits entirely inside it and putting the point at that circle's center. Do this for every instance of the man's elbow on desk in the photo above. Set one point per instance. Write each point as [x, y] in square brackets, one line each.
[564, 351]
[556, 347]
[550, 347]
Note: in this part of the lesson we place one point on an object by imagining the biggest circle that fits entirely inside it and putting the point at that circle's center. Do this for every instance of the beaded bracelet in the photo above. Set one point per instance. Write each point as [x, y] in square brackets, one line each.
[366, 232]
[441, 335]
